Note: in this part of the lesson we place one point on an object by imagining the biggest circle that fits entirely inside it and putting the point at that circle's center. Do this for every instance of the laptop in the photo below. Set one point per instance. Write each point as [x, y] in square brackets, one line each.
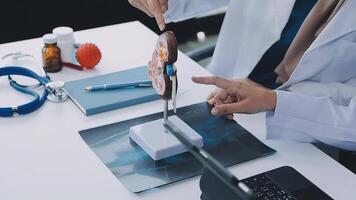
[280, 183]
[284, 183]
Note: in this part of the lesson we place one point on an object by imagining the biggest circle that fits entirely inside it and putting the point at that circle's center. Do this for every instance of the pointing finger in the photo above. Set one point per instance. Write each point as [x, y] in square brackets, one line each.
[157, 12]
[213, 80]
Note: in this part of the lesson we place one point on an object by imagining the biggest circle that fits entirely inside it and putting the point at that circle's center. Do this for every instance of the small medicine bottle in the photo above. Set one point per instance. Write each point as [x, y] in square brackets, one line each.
[51, 54]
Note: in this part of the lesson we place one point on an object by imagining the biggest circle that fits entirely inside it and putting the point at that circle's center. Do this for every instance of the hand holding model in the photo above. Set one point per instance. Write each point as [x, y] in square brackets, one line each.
[153, 8]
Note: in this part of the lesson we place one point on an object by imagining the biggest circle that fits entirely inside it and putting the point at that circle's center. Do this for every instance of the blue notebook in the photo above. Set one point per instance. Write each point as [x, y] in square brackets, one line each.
[100, 101]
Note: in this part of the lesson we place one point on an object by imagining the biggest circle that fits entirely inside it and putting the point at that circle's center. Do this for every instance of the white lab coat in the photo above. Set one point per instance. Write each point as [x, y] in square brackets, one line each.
[322, 104]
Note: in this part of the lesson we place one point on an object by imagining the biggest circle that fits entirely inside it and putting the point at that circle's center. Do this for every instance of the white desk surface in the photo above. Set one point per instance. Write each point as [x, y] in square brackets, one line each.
[42, 155]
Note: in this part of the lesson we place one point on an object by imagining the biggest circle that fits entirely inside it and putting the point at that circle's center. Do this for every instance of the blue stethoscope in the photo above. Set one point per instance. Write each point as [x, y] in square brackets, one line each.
[54, 91]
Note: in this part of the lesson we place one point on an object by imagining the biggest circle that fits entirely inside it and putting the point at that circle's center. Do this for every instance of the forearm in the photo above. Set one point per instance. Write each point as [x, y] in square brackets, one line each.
[308, 118]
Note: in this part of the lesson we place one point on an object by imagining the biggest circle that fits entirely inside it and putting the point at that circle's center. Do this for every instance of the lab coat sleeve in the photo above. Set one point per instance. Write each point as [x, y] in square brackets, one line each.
[306, 118]
[179, 10]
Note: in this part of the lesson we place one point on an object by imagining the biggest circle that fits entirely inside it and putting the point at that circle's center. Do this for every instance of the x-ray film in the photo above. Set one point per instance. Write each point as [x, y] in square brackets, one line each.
[224, 139]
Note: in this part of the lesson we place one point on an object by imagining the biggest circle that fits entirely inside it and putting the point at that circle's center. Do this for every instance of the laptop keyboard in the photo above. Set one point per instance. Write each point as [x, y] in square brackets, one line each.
[265, 189]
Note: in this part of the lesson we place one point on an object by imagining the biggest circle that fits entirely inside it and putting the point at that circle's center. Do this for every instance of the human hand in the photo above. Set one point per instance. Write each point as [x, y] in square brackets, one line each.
[153, 8]
[215, 96]
[219, 96]
[239, 96]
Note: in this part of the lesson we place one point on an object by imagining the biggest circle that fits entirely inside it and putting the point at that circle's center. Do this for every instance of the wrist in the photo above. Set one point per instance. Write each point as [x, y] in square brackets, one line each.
[271, 100]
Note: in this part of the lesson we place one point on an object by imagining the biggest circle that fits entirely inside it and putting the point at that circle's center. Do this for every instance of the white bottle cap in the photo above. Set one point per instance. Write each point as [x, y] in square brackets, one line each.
[49, 39]
[64, 33]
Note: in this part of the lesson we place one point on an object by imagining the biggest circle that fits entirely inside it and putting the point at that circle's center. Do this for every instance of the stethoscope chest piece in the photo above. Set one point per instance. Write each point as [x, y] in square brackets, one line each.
[57, 93]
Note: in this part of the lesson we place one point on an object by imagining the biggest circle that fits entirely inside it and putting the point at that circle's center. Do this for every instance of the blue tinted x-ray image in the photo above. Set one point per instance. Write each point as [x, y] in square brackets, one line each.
[224, 139]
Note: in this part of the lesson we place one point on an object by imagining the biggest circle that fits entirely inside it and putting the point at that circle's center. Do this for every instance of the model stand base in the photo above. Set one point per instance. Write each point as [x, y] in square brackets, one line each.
[158, 143]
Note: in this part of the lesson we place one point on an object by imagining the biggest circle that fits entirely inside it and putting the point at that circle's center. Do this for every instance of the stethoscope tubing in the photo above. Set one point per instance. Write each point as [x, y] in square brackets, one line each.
[28, 107]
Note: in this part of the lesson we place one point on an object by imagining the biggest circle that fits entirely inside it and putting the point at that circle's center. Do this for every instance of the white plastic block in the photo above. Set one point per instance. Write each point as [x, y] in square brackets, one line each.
[158, 143]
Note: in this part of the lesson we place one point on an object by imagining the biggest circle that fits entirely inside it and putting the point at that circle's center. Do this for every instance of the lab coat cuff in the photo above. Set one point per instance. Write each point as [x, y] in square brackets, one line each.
[283, 104]
[282, 126]
[175, 10]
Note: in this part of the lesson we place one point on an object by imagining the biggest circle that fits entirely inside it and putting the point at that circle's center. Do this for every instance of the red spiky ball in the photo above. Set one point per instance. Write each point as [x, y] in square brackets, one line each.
[88, 55]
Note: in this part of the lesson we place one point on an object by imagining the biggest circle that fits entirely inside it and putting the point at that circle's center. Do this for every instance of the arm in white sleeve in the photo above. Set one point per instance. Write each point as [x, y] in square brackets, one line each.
[306, 118]
[179, 10]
